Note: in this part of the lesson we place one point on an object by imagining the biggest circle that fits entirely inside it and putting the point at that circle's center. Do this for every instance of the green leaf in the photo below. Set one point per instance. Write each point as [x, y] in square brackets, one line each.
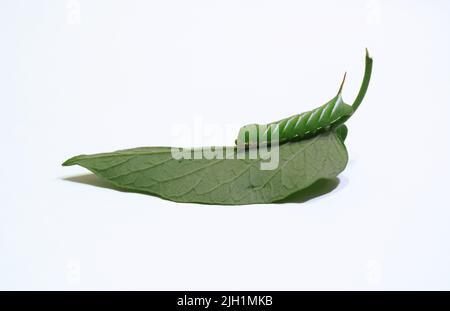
[341, 132]
[155, 171]
[312, 148]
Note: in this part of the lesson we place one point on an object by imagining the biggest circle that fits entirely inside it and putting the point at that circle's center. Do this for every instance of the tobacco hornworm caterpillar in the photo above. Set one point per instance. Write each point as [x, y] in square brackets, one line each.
[331, 115]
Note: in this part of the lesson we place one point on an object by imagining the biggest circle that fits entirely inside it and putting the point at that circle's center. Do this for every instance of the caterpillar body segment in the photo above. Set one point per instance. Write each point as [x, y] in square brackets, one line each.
[298, 126]
[330, 115]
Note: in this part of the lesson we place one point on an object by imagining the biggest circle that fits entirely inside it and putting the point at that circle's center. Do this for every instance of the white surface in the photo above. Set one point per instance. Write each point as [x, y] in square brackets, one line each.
[127, 73]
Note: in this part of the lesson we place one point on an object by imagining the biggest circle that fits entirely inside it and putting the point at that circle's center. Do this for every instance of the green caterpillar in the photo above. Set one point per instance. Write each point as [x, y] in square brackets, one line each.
[332, 115]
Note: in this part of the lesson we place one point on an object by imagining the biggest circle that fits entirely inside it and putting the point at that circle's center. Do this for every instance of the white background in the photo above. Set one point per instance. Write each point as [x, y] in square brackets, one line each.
[96, 76]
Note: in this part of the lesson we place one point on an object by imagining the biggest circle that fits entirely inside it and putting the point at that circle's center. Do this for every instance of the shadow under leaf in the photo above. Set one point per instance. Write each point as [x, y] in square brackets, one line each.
[319, 188]
[94, 180]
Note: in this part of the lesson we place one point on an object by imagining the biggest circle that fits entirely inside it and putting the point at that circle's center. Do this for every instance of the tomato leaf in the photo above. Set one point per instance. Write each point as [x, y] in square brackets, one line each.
[154, 170]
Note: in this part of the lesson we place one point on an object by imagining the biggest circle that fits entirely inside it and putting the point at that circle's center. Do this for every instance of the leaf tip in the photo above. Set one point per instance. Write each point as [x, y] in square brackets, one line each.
[71, 161]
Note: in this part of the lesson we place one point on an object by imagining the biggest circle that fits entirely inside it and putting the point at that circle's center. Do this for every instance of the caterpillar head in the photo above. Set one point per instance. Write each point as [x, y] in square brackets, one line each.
[248, 135]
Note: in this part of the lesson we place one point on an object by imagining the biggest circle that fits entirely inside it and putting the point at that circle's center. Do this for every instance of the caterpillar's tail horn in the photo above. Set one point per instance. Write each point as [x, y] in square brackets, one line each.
[342, 83]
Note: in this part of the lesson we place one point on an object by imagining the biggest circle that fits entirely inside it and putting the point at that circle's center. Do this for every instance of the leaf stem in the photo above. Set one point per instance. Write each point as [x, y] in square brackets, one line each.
[365, 82]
